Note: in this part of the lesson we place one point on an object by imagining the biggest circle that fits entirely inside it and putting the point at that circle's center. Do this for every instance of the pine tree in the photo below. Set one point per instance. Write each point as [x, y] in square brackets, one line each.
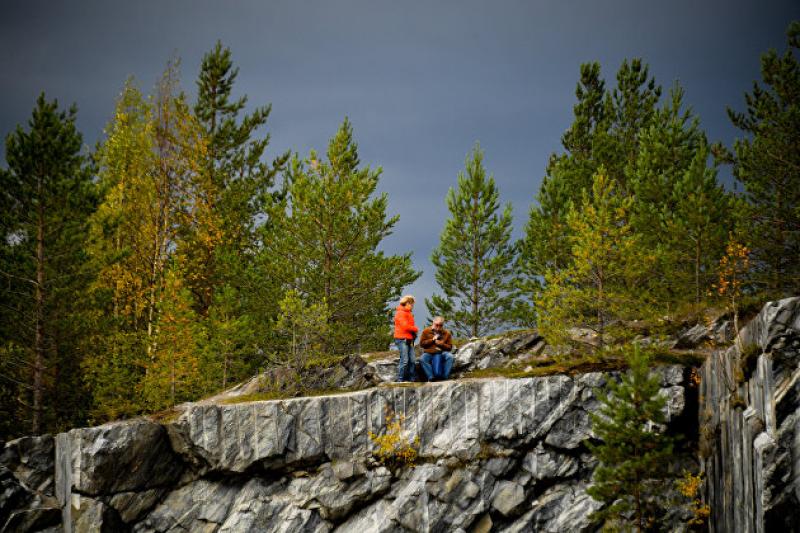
[666, 150]
[46, 196]
[767, 163]
[236, 181]
[635, 99]
[230, 343]
[603, 283]
[679, 208]
[302, 328]
[118, 247]
[545, 244]
[475, 257]
[697, 225]
[323, 238]
[633, 450]
[606, 132]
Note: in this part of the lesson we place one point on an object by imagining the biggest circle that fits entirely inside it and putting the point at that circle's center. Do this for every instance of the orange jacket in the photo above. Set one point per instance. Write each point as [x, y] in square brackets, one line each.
[404, 327]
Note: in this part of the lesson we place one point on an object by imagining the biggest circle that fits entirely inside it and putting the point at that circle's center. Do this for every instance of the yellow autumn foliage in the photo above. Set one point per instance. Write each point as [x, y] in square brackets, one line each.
[689, 487]
[392, 447]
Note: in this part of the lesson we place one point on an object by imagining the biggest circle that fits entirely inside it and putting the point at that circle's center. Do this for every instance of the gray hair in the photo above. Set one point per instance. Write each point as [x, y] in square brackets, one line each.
[438, 319]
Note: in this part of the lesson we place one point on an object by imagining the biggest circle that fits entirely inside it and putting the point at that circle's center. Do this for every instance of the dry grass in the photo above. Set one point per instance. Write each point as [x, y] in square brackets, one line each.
[166, 416]
[284, 395]
[580, 364]
[379, 356]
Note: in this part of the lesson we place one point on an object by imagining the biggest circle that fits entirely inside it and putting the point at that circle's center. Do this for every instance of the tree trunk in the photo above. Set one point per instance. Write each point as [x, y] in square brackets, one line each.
[601, 326]
[475, 270]
[160, 243]
[225, 362]
[778, 252]
[39, 348]
[697, 271]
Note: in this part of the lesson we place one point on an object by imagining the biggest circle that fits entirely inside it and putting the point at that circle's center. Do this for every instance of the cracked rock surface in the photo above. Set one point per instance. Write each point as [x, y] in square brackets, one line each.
[508, 454]
[750, 425]
[495, 454]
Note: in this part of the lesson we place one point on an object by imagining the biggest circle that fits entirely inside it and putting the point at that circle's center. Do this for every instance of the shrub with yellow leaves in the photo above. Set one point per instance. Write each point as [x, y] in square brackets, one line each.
[393, 448]
[733, 268]
[689, 487]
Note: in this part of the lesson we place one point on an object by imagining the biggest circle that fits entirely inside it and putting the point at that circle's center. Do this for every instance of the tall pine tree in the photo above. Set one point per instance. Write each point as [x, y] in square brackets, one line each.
[635, 99]
[767, 163]
[545, 244]
[322, 241]
[696, 226]
[118, 247]
[605, 133]
[679, 208]
[236, 186]
[238, 181]
[475, 257]
[46, 197]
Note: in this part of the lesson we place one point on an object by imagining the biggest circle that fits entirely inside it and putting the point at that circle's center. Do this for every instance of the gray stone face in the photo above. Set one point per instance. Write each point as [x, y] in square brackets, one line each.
[334, 498]
[488, 448]
[561, 508]
[31, 461]
[509, 455]
[750, 426]
[485, 446]
[193, 506]
[121, 457]
[545, 464]
[505, 454]
[27, 501]
[507, 497]
[131, 506]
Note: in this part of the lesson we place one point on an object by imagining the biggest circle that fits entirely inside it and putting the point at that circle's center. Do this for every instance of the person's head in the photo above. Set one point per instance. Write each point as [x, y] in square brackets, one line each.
[407, 301]
[438, 323]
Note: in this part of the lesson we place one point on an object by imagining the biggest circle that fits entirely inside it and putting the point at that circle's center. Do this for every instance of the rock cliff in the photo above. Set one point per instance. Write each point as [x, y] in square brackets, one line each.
[502, 453]
[492, 451]
[495, 454]
[750, 425]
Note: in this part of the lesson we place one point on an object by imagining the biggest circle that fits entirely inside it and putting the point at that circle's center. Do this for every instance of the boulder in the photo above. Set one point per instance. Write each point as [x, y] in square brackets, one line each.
[349, 372]
[27, 501]
[31, 460]
[507, 497]
[127, 456]
[564, 507]
[546, 464]
[693, 337]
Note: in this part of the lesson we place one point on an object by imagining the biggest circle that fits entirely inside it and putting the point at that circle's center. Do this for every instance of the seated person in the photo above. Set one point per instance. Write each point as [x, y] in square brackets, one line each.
[436, 342]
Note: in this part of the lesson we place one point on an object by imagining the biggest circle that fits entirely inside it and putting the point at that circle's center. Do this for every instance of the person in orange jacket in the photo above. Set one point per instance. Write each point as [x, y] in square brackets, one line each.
[405, 332]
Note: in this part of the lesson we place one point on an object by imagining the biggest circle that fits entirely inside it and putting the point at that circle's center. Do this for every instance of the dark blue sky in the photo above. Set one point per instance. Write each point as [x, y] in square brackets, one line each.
[421, 81]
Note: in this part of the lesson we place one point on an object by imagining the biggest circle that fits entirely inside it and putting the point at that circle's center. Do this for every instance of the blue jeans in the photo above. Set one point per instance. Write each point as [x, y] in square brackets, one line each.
[406, 364]
[425, 363]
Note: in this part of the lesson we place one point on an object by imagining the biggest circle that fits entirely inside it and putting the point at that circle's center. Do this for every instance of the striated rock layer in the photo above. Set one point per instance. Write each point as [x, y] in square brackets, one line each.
[750, 425]
[494, 453]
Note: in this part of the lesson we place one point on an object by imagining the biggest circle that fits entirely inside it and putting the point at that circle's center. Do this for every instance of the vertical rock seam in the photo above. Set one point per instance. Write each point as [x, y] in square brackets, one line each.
[750, 425]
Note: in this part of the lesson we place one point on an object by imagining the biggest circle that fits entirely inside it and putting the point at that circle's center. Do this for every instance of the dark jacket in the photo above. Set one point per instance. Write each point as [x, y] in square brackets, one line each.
[429, 344]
